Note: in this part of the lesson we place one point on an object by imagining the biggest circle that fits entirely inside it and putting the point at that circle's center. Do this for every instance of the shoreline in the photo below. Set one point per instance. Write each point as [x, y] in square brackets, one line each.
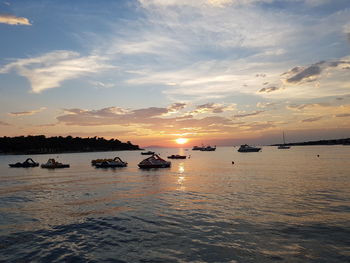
[62, 152]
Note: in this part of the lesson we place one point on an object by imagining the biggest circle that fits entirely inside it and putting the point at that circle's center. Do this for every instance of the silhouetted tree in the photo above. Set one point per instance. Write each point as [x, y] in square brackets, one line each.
[41, 144]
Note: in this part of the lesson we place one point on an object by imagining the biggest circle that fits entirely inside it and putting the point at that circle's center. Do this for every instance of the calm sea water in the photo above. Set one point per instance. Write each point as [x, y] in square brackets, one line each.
[271, 206]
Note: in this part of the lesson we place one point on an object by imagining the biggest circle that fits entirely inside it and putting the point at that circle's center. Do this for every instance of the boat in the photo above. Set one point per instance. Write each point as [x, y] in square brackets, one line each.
[94, 162]
[246, 148]
[154, 162]
[283, 146]
[177, 156]
[116, 162]
[27, 163]
[208, 149]
[197, 148]
[147, 153]
[52, 164]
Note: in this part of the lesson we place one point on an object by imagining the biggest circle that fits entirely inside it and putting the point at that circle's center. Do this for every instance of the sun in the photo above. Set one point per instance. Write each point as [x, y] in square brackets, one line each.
[181, 140]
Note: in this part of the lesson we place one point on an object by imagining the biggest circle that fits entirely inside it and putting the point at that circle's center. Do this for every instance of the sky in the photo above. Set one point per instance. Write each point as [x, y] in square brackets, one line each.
[220, 72]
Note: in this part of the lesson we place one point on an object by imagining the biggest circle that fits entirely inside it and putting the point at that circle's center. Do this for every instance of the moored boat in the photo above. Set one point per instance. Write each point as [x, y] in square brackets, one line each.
[27, 163]
[147, 153]
[246, 148]
[116, 162]
[94, 162]
[154, 162]
[52, 164]
[208, 149]
[177, 156]
[283, 146]
[196, 148]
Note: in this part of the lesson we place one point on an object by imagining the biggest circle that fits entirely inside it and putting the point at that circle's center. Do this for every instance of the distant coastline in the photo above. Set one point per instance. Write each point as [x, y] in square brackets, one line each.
[345, 141]
[53, 145]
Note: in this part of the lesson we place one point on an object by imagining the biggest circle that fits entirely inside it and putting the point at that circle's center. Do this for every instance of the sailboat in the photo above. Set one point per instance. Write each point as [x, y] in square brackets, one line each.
[283, 146]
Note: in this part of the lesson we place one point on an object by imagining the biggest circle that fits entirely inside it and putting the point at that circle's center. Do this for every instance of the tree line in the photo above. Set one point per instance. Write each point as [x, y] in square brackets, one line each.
[40, 144]
[345, 141]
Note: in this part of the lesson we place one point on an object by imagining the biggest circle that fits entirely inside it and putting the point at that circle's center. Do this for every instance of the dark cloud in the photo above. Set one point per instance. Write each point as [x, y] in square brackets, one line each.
[312, 119]
[110, 116]
[175, 107]
[293, 70]
[2, 123]
[211, 107]
[343, 115]
[248, 114]
[27, 113]
[337, 63]
[152, 119]
[309, 72]
[307, 105]
[20, 113]
[148, 112]
[269, 89]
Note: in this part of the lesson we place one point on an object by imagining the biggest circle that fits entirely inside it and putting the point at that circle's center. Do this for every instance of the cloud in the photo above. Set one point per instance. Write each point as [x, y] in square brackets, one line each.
[195, 49]
[146, 121]
[269, 89]
[175, 107]
[2, 123]
[248, 114]
[310, 74]
[313, 72]
[307, 106]
[102, 85]
[14, 20]
[213, 108]
[110, 116]
[347, 31]
[147, 43]
[343, 115]
[256, 126]
[317, 111]
[201, 3]
[46, 125]
[312, 119]
[27, 113]
[265, 104]
[50, 70]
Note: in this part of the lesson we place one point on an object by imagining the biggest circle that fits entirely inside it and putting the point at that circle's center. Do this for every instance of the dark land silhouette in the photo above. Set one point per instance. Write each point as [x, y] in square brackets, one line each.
[41, 145]
[345, 141]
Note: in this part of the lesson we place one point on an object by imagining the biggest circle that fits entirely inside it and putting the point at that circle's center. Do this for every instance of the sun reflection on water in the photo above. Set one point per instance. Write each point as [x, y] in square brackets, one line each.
[181, 179]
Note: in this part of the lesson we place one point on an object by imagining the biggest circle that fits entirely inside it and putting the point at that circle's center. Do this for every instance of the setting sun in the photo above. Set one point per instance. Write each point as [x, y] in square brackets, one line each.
[181, 140]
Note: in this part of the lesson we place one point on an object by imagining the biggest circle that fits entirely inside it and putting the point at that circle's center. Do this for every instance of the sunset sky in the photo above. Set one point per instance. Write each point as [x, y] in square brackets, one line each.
[221, 72]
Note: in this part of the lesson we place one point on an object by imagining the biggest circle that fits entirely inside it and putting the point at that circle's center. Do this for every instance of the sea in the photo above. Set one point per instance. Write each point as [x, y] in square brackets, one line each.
[223, 206]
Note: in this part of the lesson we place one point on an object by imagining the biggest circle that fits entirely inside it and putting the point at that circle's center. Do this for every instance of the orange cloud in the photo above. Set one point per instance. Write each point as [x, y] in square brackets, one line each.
[27, 113]
[14, 20]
